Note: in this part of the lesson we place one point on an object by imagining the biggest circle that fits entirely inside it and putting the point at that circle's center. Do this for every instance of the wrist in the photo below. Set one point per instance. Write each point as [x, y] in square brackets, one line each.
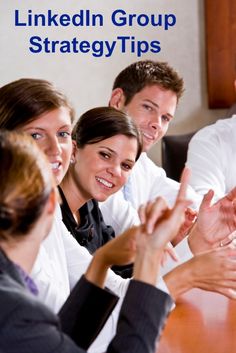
[197, 242]
[179, 280]
[97, 270]
[147, 266]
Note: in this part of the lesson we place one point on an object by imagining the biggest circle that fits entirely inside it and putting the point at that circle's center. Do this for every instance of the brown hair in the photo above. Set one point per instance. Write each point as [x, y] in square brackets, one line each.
[25, 183]
[26, 99]
[103, 122]
[147, 73]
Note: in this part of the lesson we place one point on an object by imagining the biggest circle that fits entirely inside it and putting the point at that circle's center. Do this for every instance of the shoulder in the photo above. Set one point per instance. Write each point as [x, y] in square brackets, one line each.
[27, 325]
[218, 130]
[145, 164]
[19, 305]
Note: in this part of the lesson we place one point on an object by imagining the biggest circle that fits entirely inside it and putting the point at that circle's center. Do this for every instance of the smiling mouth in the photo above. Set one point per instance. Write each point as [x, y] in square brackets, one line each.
[147, 136]
[55, 166]
[104, 182]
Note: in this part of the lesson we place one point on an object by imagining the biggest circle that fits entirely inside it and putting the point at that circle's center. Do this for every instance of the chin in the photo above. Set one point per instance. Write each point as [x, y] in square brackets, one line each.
[147, 147]
[58, 178]
[101, 198]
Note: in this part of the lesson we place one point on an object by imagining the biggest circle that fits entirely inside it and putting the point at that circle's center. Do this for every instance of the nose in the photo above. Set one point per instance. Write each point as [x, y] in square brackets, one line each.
[156, 122]
[53, 147]
[114, 170]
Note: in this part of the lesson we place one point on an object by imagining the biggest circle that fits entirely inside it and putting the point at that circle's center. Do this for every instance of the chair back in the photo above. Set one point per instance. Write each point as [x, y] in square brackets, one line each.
[174, 150]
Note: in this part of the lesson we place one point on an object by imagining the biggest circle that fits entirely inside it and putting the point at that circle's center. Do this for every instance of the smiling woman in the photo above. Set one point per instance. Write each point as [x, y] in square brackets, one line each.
[52, 131]
[102, 160]
[47, 118]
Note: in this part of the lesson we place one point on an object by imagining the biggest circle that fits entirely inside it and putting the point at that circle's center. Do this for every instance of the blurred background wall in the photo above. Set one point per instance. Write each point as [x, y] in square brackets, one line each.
[88, 80]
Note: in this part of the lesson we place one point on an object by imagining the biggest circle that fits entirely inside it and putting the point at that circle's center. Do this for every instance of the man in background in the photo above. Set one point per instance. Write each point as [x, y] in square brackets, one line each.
[149, 92]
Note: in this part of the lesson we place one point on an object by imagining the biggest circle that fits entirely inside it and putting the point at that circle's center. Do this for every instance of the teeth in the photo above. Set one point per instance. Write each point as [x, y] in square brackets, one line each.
[148, 136]
[55, 165]
[104, 182]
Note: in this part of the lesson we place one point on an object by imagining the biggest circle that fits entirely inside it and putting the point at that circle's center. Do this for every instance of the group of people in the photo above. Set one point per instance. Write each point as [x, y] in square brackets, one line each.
[87, 219]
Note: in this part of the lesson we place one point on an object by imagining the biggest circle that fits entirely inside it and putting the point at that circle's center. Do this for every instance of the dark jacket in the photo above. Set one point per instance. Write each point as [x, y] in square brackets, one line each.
[27, 326]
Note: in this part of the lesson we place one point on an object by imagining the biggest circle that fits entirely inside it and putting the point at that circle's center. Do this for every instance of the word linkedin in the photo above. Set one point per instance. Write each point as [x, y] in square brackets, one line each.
[85, 18]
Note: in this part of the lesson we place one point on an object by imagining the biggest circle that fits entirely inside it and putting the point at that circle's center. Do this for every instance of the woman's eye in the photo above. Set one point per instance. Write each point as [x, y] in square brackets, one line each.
[36, 136]
[64, 134]
[126, 166]
[104, 155]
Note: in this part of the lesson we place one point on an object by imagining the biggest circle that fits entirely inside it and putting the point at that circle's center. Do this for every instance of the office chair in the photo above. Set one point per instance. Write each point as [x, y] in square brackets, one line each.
[174, 150]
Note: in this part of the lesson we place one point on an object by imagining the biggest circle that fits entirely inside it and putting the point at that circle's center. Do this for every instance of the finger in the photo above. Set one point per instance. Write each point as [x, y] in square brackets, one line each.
[142, 214]
[190, 213]
[158, 207]
[178, 215]
[144, 211]
[171, 252]
[226, 241]
[207, 199]
[163, 258]
[230, 293]
[225, 290]
[232, 236]
[184, 180]
[231, 196]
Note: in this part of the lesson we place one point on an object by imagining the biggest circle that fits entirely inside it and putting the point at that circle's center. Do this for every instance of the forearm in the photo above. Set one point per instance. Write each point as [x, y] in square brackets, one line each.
[97, 270]
[147, 266]
[179, 280]
[81, 316]
[142, 317]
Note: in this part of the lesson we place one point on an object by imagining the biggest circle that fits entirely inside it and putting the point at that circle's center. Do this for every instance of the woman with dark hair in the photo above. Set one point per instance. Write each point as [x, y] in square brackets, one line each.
[100, 166]
[27, 205]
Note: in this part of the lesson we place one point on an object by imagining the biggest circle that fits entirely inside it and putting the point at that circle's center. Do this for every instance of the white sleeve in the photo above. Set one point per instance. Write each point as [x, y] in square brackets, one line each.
[205, 161]
[53, 291]
[50, 271]
[59, 265]
[77, 257]
[169, 188]
[119, 213]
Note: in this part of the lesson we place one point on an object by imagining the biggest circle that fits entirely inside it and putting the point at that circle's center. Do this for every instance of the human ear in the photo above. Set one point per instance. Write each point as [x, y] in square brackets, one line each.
[117, 99]
[74, 147]
[52, 201]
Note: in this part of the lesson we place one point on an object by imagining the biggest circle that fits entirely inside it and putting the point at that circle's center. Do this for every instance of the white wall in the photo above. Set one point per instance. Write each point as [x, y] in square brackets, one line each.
[87, 80]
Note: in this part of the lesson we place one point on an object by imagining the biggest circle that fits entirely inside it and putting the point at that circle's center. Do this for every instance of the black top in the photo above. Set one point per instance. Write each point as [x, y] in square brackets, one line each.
[92, 232]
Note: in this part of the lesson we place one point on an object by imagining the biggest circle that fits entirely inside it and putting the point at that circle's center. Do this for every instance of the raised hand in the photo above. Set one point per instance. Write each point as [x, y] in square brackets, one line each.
[214, 223]
[120, 250]
[213, 270]
[159, 224]
[156, 215]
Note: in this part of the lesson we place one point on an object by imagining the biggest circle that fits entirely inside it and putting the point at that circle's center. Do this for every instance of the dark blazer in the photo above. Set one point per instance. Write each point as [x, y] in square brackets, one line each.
[27, 326]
